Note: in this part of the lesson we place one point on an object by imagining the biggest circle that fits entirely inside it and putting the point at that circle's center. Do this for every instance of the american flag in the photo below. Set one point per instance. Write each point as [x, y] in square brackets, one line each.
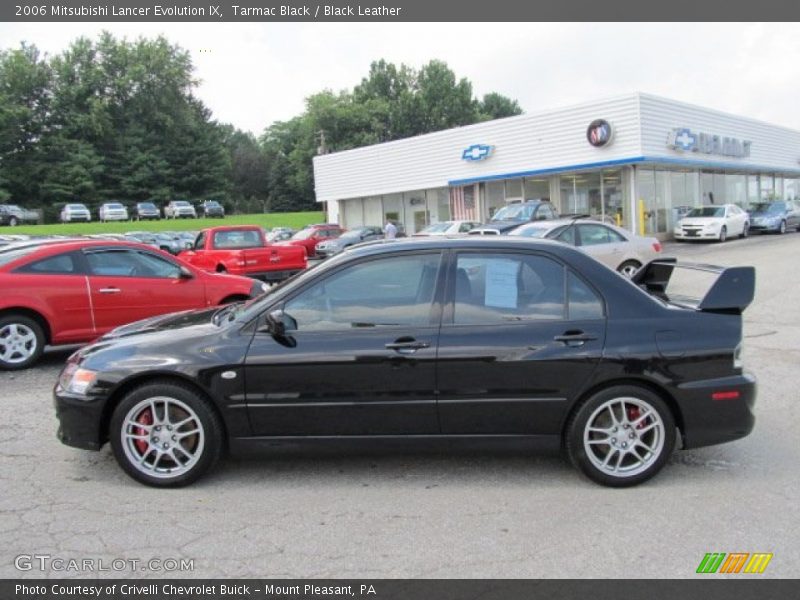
[462, 203]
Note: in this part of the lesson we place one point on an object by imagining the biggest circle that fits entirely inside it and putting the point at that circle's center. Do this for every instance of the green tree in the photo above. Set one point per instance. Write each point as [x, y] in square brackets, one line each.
[497, 106]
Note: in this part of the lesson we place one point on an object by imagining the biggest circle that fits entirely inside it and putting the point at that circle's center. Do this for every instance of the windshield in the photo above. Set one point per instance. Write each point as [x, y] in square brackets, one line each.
[514, 212]
[707, 211]
[303, 234]
[212, 203]
[76, 207]
[438, 227]
[147, 205]
[769, 207]
[181, 203]
[114, 205]
[532, 231]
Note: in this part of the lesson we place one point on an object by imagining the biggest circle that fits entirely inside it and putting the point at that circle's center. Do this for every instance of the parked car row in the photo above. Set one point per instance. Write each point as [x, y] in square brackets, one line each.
[719, 222]
[13, 215]
[67, 291]
[141, 211]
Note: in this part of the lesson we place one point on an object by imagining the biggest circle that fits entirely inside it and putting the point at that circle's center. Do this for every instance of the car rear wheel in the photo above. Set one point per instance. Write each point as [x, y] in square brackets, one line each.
[723, 234]
[164, 434]
[629, 268]
[12, 222]
[621, 436]
[21, 342]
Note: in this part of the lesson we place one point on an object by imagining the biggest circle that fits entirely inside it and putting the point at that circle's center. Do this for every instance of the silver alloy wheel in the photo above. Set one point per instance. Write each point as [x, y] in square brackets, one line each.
[782, 229]
[624, 437]
[17, 343]
[723, 234]
[629, 269]
[162, 437]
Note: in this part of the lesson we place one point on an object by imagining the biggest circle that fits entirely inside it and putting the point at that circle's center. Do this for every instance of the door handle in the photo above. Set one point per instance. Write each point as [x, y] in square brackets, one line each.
[109, 290]
[574, 338]
[407, 346]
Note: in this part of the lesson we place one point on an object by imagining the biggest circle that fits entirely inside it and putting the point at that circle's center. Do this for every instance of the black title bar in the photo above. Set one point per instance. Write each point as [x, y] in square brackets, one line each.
[400, 11]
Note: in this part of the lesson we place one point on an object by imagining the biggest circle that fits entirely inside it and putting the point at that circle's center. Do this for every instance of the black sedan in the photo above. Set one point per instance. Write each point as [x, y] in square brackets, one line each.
[472, 338]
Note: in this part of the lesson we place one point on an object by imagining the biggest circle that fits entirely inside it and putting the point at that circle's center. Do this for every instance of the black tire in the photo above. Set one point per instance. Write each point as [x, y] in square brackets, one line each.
[20, 352]
[628, 268]
[723, 234]
[782, 228]
[745, 231]
[12, 222]
[659, 434]
[209, 442]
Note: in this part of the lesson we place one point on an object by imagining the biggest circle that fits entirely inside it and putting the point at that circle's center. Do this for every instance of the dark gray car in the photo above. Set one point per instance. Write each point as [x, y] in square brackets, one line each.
[355, 236]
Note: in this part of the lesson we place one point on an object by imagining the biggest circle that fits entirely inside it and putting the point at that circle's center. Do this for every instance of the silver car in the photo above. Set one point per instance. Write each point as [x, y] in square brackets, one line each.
[611, 245]
[75, 212]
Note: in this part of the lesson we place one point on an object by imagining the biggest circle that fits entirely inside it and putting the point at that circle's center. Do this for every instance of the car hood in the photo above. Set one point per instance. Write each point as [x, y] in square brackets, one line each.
[502, 226]
[163, 323]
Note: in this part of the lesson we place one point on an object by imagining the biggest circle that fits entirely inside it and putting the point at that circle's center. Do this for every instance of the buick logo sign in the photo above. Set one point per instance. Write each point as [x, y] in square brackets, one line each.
[599, 133]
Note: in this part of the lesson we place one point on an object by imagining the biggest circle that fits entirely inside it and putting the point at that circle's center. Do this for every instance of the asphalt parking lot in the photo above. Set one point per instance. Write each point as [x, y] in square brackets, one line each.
[432, 514]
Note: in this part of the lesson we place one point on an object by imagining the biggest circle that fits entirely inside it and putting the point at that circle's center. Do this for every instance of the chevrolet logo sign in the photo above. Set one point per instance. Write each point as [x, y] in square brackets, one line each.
[476, 152]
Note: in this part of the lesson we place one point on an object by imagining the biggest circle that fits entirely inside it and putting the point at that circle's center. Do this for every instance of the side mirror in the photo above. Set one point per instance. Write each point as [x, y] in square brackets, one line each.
[185, 273]
[278, 323]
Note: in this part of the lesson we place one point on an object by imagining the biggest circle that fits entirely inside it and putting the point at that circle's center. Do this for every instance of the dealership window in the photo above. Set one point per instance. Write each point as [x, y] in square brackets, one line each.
[513, 189]
[613, 190]
[393, 208]
[753, 187]
[439, 201]
[416, 211]
[537, 188]
[654, 193]
[495, 197]
[791, 189]
[351, 212]
[373, 214]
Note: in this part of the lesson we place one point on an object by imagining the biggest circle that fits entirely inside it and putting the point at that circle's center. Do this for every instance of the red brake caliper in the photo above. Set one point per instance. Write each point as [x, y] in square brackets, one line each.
[146, 418]
[634, 413]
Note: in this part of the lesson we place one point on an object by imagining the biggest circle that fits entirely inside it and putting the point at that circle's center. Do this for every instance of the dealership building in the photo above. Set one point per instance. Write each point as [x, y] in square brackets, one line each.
[638, 160]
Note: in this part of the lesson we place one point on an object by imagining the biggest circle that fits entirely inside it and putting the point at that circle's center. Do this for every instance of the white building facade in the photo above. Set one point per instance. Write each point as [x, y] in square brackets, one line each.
[639, 160]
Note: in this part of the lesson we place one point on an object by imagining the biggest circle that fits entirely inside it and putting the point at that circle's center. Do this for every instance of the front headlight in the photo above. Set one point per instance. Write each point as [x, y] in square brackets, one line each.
[76, 380]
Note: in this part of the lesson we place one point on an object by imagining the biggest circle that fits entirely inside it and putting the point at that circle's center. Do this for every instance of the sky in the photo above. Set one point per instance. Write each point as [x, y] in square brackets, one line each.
[253, 74]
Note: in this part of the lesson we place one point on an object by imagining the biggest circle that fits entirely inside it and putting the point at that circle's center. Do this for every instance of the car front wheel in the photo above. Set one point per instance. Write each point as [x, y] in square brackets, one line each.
[165, 434]
[621, 436]
[782, 228]
[723, 234]
[746, 230]
[21, 342]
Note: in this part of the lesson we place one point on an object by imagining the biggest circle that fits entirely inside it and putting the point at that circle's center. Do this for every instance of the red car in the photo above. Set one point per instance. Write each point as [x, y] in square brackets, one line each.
[72, 291]
[311, 235]
[243, 250]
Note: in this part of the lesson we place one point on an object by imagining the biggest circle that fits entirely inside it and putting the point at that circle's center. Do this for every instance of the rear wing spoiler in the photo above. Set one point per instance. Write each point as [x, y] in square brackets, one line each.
[731, 292]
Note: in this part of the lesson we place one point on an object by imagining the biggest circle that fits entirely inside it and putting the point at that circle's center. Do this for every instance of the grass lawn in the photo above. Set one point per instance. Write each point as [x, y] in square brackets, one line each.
[293, 220]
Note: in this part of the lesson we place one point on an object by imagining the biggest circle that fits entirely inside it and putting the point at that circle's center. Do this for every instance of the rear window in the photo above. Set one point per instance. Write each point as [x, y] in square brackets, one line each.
[237, 239]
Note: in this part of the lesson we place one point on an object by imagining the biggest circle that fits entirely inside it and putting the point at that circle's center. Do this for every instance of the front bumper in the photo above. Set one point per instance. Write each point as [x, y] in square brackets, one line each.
[765, 226]
[80, 419]
[115, 217]
[702, 234]
[328, 252]
[707, 421]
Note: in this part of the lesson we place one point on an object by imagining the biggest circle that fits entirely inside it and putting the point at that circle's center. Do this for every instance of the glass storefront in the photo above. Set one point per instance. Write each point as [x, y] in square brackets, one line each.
[663, 196]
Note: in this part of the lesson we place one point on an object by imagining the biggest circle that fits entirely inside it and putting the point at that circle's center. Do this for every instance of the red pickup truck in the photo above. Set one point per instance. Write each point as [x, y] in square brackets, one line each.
[242, 250]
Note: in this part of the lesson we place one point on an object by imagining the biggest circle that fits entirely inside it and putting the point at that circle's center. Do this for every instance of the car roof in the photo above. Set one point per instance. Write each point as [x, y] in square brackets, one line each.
[479, 242]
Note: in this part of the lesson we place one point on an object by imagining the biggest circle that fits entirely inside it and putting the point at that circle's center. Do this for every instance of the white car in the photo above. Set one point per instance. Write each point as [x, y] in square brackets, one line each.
[112, 211]
[712, 223]
[179, 208]
[75, 212]
[613, 246]
[448, 228]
